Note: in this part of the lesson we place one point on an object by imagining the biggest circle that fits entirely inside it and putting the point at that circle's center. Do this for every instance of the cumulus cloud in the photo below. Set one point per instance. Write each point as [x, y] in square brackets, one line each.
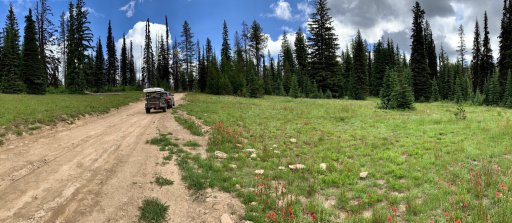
[137, 35]
[393, 18]
[274, 46]
[282, 10]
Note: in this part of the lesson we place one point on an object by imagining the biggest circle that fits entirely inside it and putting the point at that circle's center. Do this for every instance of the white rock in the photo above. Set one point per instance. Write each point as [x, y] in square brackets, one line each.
[239, 145]
[253, 155]
[323, 166]
[296, 166]
[253, 203]
[275, 146]
[282, 168]
[220, 155]
[250, 150]
[277, 151]
[226, 219]
[233, 166]
[259, 172]
[238, 187]
[363, 175]
[294, 140]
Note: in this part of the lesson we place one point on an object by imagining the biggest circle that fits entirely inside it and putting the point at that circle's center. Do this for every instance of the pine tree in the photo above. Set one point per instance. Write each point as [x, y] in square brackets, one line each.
[404, 98]
[188, 52]
[435, 92]
[132, 78]
[487, 66]
[493, 91]
[11, 82]
[124, 64]
[380, 67]
[148, 78]
[347, 71]
[63, 47]
[31, 66]
[419, 66]
[268, 75]
[294, 88]
[445, 78]
[254, 83]
[202, 72]
[323, 45]
[162, 68]
[477, 58]
[359, 77]
[112, 62]
[388, 90]
[212, 85]
[99, 68]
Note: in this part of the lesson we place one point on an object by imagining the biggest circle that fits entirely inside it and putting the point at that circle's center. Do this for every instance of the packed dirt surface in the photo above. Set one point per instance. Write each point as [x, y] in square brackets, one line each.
[99, 170]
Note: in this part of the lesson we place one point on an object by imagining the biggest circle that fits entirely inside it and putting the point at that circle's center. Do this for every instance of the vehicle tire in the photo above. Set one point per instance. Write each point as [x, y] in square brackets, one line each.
[148, 110]
[164, 109]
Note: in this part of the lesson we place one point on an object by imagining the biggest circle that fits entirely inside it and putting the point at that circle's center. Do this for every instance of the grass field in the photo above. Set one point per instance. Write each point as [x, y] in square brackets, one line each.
[28, 112]
[423, 165]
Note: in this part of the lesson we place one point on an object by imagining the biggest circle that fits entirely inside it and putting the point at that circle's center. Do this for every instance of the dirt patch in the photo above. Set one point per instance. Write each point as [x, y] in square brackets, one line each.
[99, 169]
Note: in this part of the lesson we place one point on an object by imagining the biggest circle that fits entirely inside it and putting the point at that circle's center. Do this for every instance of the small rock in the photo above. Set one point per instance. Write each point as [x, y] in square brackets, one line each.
[209, 191]
[253, 155]
[233, 166]
[226, 219]
[275, 146]
[250, 150]
[259, 172]
[220, 155]
[238, 187]
[277, 151]
[281, 168]
[296, 166]
[294, 140]
[363, 175]
[323, 166]
[253, 203]
[239, 145]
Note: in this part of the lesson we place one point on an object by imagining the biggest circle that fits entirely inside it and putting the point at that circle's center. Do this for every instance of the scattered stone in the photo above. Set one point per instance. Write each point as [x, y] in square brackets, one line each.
[277, 151]
[226, 219]
[220, 155]
[323, 166]
[296, 166]
[259, 172]
[363, 175]
[233, 166]
[238, 187]
[282, 168]
[275, 146]
[253, 203]
[293, 140]
[253, 156]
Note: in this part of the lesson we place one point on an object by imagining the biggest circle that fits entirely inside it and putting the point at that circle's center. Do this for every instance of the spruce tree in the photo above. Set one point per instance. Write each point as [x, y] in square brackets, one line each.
[404, 98]
[226, 63]
[347, 71]
[435, 92]
[379, 68]
[212, 85]
[323, 46]
[31, 66]
[124, 64]
[505, 54]
[257, 43]
[203, 72]
[487, 66]
[288, 63]
[46, 38]
[294, 88]
[99, 68]
[359, 75]
[162, 68]
[493, 91]
[148, 78]
[301, 56]
[176, 67]
[132, 78]
[11, 82]
[188, 53]
[430, 48]
[419, 66]
[507, 98]
[388, 89]
[112, 62]
[254, 83]
[268, 73]
[477, 58]
[63, 47]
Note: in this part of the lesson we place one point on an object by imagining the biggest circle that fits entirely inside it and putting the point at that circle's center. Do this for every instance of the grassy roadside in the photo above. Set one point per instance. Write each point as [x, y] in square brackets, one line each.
[423, 165]
[20, 113]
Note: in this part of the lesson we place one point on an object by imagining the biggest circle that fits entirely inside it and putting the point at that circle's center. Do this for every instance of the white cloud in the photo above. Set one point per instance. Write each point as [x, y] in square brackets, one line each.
[129, 8]
[282, 10]
[274, 46]
[137, 35]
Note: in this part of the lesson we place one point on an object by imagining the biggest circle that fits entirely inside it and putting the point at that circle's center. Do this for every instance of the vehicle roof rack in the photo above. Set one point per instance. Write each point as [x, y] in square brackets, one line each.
[152, 90]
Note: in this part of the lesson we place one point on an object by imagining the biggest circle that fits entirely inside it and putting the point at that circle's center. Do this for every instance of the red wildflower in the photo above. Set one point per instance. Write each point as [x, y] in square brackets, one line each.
[389, 218]
[498, 194]
[369, 195]
[446, 214]
[466, 205]
[313, 216]
[292, 216]
[458, 221]
[272, 216]
[503, 186]
[394, 210]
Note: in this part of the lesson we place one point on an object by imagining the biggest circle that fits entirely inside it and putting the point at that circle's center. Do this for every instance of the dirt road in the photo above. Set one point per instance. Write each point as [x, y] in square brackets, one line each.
[99, 170]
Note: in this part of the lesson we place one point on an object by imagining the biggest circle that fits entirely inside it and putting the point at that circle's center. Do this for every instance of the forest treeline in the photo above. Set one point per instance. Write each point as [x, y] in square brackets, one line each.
[311, 68]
